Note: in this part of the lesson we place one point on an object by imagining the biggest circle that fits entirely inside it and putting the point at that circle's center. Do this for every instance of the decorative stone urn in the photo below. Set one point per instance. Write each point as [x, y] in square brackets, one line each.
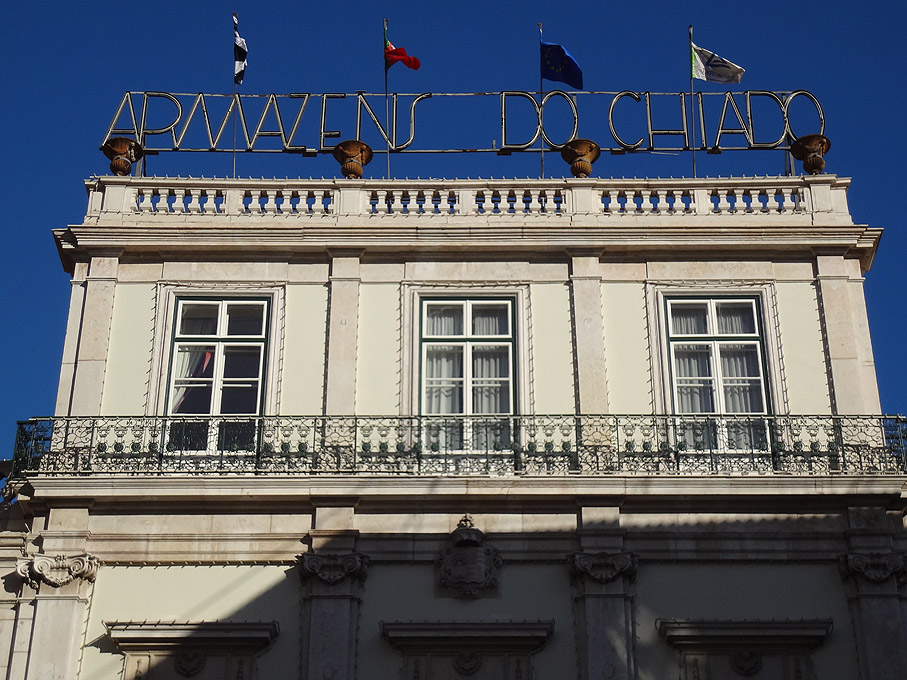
[352, 155]
[811, 149]
[581, 154]
[122, 152]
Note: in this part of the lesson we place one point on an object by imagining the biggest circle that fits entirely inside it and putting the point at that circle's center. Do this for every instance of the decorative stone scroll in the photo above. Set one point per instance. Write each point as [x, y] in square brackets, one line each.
[468, 565]
[876, 568]
[57, 570]
[603, 567]
[334, 569]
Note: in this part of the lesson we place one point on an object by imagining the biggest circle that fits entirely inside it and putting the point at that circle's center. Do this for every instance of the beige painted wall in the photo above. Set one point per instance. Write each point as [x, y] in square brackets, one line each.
[215, 593]
[130, 350]
[627, 348]
[378, 360]
[552, 348]
[742, 592]
[302, 379]
[408, 593]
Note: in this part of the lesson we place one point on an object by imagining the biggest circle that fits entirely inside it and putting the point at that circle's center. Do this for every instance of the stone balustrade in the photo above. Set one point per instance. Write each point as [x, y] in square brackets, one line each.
[179, 200]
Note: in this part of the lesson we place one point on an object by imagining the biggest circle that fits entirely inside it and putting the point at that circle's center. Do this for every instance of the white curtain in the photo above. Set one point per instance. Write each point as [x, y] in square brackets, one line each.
[443, 320]
[489, 320]
[689, 319]
[693, 375]
[443, 379]
[491, 380]
[742, 379]
[736, 318]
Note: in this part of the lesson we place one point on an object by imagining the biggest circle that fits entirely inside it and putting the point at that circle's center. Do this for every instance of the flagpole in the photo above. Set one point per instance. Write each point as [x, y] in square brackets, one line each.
[234, 101]
[692, 105]
[541, 94]
[387, 127]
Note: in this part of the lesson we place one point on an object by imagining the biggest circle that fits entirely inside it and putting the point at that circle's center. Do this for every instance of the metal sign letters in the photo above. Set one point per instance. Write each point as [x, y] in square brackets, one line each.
[302, 122]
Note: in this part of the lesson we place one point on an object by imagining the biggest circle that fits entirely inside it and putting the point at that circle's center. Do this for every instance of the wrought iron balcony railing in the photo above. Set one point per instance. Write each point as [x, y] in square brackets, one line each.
[430, 445]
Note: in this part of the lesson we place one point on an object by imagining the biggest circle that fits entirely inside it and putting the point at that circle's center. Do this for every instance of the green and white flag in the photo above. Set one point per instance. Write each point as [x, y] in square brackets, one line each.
[712, 68]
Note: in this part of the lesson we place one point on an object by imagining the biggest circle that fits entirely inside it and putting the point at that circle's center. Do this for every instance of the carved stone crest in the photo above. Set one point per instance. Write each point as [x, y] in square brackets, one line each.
[468, 565]
[875, 567]
[603, 567]
[57, 570]
[189, 663]
[746, 663]
[333, 569]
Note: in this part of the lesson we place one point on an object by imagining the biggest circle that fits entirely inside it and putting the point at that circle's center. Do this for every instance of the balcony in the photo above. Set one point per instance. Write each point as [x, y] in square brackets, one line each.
[538, 445]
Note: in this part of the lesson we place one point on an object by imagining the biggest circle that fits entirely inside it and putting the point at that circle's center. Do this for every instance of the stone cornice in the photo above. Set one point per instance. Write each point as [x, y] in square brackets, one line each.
[887, 489]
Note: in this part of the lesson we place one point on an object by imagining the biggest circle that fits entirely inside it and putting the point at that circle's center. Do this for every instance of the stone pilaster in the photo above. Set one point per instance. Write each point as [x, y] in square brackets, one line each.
[603, 612]
[343, 336]
[93, 337]
[333, 593]
[849, 351]
[63, 584]
[875, 582]
[588, 335]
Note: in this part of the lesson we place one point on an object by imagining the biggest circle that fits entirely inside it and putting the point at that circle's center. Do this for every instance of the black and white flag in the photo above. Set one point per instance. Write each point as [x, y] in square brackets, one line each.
[239, 53]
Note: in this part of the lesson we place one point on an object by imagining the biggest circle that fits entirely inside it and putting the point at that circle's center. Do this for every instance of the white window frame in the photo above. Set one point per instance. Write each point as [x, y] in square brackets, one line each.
[220, 340]
[412, 295]
[167, 296]
[714, 341]
[468, 341]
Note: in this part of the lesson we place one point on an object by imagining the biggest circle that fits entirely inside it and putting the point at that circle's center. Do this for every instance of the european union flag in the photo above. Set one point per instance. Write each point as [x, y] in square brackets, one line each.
[558, 64]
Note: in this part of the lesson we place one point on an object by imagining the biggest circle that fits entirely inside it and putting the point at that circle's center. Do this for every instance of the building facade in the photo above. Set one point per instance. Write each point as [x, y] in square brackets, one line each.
[441, 429]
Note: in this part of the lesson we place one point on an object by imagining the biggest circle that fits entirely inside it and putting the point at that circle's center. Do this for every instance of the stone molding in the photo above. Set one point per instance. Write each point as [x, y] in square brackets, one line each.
[603, 567]
[57, 570]
[877, 568]
[334, 569]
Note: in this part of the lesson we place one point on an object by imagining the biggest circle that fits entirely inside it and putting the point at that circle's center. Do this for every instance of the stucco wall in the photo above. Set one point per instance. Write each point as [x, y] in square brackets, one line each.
[130, 351]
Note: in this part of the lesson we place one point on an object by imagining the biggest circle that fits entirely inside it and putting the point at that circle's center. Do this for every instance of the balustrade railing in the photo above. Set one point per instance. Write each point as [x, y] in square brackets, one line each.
[201, 198]
[428, 445]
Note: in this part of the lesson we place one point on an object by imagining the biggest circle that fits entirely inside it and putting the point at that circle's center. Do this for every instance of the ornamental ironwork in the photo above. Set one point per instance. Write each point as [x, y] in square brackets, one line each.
[532, 445]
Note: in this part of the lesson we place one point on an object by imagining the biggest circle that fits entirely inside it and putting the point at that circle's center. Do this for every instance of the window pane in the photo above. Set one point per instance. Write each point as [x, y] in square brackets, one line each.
[443, 399]
[490, 362]
[491, 398]
[239, 399]
[443, 361]
[692, 361]
[689, 319]
[443, 319]
[192, 399]
[245, 319]
[242, 362]
[743, 397]
[490, 319]
[736, 318]
[198, 318]
[739, 361]
[696, 398]
[194, 361]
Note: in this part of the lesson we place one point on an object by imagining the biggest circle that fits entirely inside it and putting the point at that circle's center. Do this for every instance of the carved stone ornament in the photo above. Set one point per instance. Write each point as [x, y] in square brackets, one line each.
[604, 567]
[746, 663]
[876, 568]
[57, 570]
[333, 569]
[188, 664]
[468, 566]
[467, 663]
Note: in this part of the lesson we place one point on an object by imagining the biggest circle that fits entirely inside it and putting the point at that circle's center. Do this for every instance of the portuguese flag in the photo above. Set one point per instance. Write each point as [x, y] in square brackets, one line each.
[392, 55]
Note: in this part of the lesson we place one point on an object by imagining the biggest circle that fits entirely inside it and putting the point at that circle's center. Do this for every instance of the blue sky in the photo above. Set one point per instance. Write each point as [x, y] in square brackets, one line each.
[67, 66]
